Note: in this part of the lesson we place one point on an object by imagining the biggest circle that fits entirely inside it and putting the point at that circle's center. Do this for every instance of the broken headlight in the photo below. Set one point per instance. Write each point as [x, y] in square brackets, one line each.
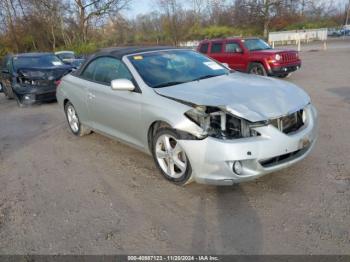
[219, 124]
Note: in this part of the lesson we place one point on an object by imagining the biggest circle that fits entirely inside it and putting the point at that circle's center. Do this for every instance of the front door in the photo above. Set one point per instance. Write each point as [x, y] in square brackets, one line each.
[235, 57]
[116, 113]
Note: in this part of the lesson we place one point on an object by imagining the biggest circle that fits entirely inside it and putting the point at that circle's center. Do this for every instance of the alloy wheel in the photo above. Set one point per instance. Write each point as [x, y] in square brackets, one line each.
[72, 119]
[170, 156]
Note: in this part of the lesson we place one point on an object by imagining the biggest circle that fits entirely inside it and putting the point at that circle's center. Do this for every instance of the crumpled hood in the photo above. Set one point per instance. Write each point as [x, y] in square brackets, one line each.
[253, 98]
[50, 73]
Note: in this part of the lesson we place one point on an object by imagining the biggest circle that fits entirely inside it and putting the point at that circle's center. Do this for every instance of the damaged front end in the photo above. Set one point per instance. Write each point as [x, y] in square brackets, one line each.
[37, 85]
[218, 123]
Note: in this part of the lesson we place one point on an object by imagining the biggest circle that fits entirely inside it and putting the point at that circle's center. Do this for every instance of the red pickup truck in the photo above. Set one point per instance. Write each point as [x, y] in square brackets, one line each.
[251, 55]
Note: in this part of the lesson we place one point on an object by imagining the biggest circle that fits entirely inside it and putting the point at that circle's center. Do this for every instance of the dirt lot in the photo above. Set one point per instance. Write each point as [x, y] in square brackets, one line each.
[60, 194]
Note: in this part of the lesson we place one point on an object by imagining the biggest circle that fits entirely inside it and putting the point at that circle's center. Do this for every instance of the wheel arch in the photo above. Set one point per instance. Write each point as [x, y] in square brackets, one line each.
[153, 129]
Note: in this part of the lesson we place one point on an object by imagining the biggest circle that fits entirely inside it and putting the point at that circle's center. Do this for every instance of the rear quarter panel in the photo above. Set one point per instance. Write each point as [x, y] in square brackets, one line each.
[72, 88]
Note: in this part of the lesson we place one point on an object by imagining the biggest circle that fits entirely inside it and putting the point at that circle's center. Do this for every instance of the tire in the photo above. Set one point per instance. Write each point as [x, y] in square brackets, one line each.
[285, 75]
[170, 158]
[74, 124]
[257, 69]
[19, 103]
[8, 92]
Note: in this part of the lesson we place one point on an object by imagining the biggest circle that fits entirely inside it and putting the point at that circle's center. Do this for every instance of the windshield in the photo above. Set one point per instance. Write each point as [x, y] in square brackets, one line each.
[256, 44]
[172, 67]
[64, 56]
[36, 61]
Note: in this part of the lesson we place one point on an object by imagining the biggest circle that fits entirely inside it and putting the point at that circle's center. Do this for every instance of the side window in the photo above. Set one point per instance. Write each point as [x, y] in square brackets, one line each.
[108, 69]
[204, 48]
[89, 71]
[232, 47]
[216, 48]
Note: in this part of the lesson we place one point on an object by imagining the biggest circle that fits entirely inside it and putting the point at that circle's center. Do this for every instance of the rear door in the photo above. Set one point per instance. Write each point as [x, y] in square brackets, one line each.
[234, 56]
[115, 113]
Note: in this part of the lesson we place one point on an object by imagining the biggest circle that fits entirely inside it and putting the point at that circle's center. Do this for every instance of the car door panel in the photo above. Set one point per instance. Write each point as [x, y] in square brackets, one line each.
[236, 60]
[113, 112]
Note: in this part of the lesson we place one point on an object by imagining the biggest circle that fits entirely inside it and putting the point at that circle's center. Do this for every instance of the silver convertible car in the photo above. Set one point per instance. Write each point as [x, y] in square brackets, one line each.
[198, 119]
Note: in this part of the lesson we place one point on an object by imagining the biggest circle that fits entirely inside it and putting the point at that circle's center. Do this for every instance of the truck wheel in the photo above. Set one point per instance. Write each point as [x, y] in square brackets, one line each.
[257, 69]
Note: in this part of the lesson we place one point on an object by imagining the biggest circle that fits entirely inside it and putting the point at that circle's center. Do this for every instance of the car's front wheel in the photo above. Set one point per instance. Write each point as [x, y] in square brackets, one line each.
[8, 91]
[75, 126]
[170, 157]
[257, 69]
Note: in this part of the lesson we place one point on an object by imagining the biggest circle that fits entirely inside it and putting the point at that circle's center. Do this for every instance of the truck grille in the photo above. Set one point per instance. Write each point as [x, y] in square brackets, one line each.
[290, 123]
[289, 57]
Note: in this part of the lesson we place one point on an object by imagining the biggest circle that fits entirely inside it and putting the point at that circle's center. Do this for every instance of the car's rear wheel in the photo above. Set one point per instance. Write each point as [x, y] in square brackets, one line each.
[170, 157]
[74, 124]
[257, 69]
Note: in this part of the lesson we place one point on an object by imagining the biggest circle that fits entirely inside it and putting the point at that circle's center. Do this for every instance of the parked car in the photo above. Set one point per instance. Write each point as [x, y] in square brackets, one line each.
[32, 77]
[69, 57]
[334, 33]
[199, 120]
[76, 63]
[252, 56]
[66, 56]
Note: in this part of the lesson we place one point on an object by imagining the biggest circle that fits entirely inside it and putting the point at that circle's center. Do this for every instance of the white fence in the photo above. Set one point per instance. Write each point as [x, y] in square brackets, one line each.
[297, 36]
[189, 44]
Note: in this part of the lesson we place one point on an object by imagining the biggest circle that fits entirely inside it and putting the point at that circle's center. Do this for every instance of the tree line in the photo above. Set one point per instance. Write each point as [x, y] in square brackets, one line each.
[85, 25]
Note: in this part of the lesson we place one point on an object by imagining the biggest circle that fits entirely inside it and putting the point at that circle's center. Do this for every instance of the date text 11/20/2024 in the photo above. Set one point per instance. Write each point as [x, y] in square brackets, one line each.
[173, 258]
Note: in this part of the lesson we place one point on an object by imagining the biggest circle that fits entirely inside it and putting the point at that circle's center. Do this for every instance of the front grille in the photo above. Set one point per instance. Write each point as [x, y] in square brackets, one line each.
[290, 123]
[289, 57]
[278, 159]
[46, 97]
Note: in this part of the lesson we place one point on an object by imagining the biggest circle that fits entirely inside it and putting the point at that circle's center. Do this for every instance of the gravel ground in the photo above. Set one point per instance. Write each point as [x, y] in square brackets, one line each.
[60, 194]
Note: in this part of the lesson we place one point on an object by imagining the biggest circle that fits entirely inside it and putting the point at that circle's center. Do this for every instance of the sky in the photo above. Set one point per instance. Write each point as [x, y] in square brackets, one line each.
[140, 7]
[146, 6]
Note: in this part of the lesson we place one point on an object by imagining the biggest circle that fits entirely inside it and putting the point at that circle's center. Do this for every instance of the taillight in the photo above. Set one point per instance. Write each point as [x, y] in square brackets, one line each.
[58, 82]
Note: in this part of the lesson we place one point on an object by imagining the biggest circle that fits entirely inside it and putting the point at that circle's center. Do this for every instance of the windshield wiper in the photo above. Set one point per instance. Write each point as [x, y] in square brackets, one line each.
[168, 84]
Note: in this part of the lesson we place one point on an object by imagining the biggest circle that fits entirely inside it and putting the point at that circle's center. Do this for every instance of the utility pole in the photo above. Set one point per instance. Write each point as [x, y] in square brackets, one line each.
[347, 14]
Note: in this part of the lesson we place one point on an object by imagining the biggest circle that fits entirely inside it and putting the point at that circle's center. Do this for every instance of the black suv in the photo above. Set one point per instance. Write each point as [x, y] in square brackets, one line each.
[32, 77]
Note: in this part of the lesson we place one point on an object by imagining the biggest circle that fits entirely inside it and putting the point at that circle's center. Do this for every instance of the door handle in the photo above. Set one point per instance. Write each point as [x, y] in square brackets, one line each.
[91, 95]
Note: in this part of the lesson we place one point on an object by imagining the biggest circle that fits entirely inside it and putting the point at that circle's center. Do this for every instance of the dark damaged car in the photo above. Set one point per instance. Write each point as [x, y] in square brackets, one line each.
[32, 77]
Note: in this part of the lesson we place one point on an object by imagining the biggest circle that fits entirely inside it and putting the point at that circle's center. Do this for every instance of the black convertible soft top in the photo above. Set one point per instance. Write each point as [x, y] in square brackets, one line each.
[119, 52]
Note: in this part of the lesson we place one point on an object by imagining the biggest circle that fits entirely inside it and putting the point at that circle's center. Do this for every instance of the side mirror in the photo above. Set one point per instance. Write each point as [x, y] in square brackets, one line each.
[122, 85]
[5, 71]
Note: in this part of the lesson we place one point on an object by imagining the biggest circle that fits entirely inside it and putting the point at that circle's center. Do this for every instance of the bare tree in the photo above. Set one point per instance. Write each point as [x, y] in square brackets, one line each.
[172, 10]
[266, 9]
[90, 9]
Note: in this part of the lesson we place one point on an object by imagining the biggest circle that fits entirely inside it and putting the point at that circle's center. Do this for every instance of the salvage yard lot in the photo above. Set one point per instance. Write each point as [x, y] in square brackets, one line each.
[60, 194]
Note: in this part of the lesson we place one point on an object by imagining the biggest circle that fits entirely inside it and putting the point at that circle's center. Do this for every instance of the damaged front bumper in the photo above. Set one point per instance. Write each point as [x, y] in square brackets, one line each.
[213, 159]
[31, 95]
